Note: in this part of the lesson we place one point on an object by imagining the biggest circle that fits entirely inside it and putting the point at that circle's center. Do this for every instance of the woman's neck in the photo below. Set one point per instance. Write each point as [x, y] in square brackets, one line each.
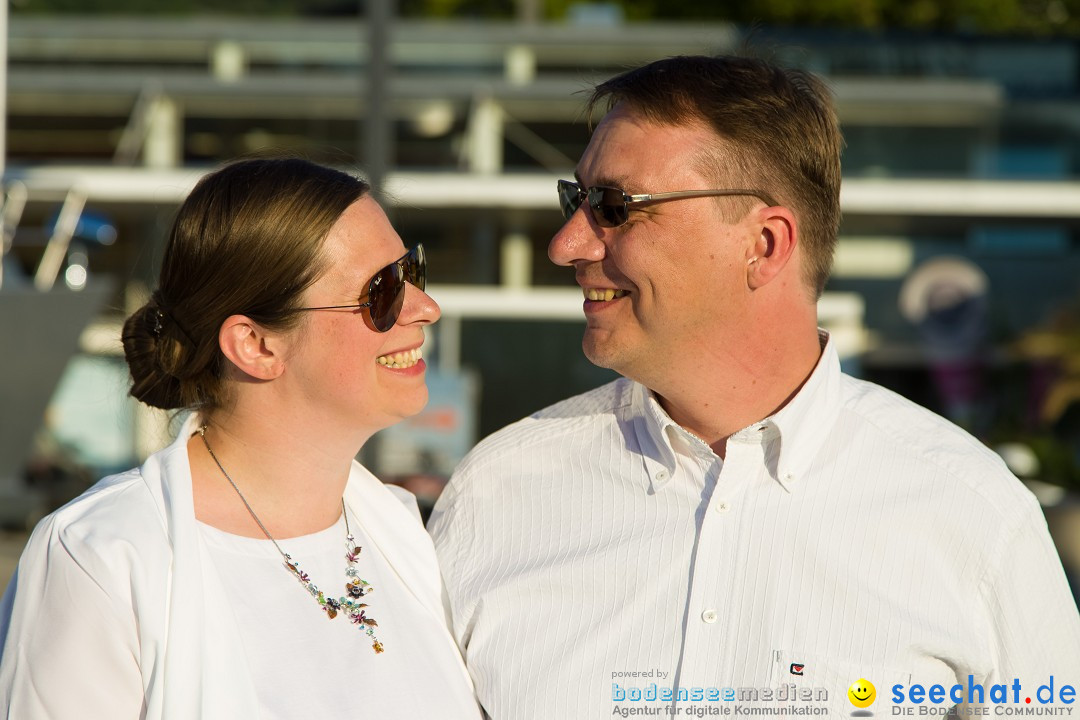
[292, 475]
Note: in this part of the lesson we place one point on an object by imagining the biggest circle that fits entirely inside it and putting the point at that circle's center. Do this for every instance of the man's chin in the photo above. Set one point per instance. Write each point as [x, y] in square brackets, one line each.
[603, 354]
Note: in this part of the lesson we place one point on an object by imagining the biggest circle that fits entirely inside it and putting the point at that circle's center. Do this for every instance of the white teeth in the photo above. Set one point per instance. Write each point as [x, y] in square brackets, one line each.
[605, 295]
[400, 360]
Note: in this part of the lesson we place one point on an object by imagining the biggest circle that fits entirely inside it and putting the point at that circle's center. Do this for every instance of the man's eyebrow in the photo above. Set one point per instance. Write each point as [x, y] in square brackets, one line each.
[607, 181]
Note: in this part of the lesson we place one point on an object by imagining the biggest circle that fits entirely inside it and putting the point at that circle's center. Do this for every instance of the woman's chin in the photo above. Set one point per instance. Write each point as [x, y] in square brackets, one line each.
[411, 405]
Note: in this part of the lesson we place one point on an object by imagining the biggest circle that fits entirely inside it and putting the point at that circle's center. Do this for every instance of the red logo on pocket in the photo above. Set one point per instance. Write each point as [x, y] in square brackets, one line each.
[796, 668]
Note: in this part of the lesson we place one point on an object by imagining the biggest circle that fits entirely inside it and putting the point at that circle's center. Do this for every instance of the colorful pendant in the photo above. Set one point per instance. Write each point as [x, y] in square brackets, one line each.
[355, 588]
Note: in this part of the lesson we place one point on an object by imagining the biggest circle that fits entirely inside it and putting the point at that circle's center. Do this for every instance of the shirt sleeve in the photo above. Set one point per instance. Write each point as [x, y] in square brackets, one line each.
[69, 650]
[1035, 624]
[451, 531]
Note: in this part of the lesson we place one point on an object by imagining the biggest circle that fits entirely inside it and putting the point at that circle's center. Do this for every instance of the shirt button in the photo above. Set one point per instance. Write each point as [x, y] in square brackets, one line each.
[722, 507]
[709, 616]
[789, 476]
[661, 477]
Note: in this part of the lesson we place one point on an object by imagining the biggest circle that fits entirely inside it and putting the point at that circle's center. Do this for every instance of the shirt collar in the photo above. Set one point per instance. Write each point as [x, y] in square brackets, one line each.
[796, 431]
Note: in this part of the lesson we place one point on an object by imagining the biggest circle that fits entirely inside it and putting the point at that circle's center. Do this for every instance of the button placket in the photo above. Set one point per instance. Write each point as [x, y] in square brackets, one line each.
[706, 631]
[711, 594]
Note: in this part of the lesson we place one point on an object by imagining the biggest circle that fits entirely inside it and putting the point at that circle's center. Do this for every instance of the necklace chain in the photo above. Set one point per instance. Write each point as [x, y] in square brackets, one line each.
[355, 586]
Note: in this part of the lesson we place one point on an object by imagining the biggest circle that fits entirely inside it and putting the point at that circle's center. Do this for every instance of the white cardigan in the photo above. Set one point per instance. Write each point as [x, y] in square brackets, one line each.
[110, 597]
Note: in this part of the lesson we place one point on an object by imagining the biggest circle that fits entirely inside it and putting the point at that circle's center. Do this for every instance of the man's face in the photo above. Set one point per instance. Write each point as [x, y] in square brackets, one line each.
[679, 267]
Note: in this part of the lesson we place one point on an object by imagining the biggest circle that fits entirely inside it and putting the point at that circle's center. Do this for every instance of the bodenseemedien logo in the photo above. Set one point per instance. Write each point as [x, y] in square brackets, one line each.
[787, 700]
[862, 694]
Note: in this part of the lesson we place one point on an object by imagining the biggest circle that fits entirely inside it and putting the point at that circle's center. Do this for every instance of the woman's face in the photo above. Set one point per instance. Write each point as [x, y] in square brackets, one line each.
[339, 363]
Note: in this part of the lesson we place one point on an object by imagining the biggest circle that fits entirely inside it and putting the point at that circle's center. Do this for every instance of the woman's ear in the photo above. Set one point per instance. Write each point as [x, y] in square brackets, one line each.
[254, 350]
[772, 248]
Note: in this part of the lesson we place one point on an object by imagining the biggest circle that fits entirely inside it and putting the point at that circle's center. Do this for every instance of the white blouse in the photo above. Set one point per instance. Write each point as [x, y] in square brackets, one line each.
[124, 607]
[305, 664]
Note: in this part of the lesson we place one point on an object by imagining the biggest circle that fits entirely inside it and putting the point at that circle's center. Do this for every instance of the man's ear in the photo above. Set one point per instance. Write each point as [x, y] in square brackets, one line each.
[251, 348]
[773, 247]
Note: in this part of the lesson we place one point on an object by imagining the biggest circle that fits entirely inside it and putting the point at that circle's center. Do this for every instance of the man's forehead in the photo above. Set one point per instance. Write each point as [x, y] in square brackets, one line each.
[628, 149]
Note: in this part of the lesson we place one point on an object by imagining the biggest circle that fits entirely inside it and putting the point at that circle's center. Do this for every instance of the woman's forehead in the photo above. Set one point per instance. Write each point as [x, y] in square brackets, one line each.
[361, 242]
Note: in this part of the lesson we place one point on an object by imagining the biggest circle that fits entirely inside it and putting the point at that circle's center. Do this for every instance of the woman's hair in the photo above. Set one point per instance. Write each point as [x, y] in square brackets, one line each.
[247, 241]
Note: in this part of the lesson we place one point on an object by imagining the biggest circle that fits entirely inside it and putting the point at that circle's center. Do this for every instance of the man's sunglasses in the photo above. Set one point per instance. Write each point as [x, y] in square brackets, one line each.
[611, 206]
[386, 289]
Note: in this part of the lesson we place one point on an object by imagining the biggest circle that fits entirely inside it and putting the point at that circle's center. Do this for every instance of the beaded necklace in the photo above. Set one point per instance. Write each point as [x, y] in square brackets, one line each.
[355, 586]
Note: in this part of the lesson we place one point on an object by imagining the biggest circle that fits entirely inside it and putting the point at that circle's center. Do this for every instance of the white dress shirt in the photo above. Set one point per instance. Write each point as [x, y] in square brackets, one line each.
[596, 546]
[119, 610]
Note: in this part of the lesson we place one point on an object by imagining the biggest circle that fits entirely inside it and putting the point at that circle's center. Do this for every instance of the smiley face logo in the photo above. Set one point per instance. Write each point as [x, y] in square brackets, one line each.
[862, 693]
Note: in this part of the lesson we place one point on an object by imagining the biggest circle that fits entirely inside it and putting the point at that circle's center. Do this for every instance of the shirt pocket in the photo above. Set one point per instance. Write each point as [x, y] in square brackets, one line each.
[824, 681]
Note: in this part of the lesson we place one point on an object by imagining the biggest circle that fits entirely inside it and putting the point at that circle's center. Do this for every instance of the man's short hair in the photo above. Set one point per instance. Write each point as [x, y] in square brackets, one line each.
[777, 127]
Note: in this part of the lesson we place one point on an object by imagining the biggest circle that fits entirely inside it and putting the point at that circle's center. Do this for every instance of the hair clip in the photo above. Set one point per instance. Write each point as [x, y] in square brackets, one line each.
[157, 327]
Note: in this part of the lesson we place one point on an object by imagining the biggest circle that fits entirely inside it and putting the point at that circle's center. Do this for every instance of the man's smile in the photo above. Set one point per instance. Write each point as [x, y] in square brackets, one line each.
[603, 294]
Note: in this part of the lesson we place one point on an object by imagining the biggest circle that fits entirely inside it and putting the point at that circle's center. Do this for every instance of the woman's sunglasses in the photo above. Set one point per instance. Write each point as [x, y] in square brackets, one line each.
[386, 289]
[611, 206]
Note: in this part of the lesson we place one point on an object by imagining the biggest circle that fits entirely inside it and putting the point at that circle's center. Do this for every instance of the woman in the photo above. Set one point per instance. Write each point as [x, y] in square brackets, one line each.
[252, 569]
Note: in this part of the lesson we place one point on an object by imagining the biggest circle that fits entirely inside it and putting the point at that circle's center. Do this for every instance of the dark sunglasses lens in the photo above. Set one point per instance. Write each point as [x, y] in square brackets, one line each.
[608, 206]
[569, 198]
[416, 267]
[386, 295]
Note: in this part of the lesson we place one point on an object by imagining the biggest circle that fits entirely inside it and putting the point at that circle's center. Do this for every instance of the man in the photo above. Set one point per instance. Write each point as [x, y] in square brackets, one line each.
[735, 518]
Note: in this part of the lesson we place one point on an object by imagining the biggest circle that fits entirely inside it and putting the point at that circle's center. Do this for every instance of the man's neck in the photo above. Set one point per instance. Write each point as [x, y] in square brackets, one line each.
[727, 392]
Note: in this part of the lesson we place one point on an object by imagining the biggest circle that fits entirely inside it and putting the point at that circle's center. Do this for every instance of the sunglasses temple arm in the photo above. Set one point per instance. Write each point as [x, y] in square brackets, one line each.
[699, 193]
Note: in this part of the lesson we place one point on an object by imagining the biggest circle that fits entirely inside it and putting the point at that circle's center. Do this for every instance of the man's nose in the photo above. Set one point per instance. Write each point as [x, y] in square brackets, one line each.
[577, 240]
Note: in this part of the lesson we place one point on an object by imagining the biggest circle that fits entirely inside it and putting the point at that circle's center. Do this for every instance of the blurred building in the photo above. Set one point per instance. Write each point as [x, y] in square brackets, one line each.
[960, 148]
